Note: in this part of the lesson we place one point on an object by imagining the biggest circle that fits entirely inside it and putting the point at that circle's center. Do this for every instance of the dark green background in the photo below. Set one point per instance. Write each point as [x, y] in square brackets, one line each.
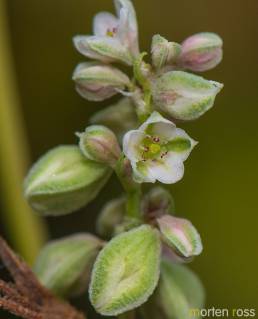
[219, 192]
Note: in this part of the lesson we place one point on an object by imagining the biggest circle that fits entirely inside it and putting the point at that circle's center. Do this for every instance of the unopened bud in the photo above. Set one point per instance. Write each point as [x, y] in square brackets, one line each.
[97, 82]
[179, 294]
[63, 180]
[126, 271]
[111, 215]
[183, 95]
[64, 265]
[180, 235]
[163, 51]
[158, 202]
[99, 143]
[201, 52]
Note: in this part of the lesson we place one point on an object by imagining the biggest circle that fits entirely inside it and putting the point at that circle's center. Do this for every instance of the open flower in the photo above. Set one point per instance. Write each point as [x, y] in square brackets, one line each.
[115, 38]
[157, 150]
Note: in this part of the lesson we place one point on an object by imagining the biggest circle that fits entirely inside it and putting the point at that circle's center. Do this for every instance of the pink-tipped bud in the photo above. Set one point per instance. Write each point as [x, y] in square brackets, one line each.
[99, 143]
[180, 235]
[201, 52]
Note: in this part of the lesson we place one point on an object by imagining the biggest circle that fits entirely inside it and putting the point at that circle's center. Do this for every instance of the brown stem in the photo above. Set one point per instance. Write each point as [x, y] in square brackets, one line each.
[26, 297]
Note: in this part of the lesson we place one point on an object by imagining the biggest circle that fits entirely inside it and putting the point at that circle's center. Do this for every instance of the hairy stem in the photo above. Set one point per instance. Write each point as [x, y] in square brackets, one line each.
[26, 230]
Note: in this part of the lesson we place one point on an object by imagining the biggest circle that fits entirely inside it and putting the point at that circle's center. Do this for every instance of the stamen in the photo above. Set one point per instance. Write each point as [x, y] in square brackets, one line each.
[111, 32]
[164, 154]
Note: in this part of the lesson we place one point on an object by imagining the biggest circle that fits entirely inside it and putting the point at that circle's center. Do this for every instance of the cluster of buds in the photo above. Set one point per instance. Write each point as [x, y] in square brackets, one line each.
[138, 140]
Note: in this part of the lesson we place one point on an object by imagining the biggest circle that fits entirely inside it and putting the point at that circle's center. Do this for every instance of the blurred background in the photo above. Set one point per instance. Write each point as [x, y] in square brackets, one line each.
[219, 192]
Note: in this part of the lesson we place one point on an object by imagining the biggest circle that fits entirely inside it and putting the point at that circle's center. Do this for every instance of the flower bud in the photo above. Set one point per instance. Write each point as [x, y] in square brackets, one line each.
[158, 202]
[63, 180]
[201, 52]
[99, 143]
[126, 271]
[64, 265]
[180, 235]
[111, 215]
[97, 82]
[164, 52]
[183, 95]
[120, 117]
[179, 293]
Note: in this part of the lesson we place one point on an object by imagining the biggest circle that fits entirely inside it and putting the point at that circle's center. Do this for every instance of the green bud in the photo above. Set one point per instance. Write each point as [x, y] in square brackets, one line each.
[183, 95]
[62, 181]
[111, 215]
[99, 143]
[158, 202]
[164, 52]
[64, 265]
[178, 293]
[126, 271]
[180, 235]
[120, 117]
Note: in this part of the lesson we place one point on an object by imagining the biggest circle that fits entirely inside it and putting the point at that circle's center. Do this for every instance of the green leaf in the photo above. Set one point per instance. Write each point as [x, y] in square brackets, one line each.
[126, 271]
[63, 266]
[62, 181]
[183, 95]
[179, 292]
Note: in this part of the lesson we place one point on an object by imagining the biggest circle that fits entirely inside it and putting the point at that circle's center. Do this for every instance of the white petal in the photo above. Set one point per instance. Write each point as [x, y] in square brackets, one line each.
[142, 173]
[103, 22]
[131, 145]
[155, 117]
[157, 125]
[81, 43]
[128, 28]
[169, 171]
[183, 155]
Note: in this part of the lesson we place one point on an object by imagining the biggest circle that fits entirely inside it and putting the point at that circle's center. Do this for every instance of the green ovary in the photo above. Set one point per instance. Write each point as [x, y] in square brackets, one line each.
[152, 148]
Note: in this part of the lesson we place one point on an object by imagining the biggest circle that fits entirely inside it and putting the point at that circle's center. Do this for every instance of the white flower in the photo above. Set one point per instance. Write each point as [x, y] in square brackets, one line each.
[115, 38]
[157, 150]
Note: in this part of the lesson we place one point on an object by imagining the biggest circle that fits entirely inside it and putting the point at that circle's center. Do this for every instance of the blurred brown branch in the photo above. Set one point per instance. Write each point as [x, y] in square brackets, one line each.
[26, 297]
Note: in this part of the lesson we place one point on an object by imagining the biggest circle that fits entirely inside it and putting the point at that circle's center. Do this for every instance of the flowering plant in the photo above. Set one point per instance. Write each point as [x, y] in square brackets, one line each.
[135, 266]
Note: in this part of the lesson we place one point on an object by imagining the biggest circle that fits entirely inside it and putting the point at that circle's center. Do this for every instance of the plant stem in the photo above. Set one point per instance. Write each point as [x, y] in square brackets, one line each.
[123, 170]
[27, 232]
[133, 204]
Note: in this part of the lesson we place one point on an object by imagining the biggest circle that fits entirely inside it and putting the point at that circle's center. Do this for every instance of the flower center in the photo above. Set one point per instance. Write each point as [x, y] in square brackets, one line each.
[111, 32]
[153, 148]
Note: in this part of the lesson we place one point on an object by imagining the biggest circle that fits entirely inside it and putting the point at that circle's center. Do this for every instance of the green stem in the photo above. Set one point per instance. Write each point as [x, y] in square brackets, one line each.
[133, 204]
[26, 230]
[123, 170]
